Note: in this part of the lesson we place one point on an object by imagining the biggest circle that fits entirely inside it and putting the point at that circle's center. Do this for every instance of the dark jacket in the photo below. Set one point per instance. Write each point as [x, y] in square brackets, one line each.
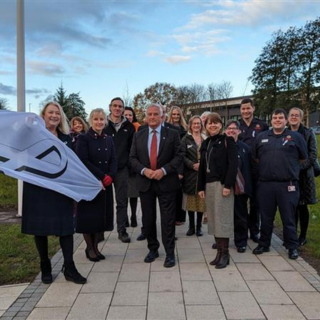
[122, 140]
[46, 212]
[249, 133]
[98, 154]
[169, 157]
[218, 162]
[190, 152]
[245, 162]
[306, 178]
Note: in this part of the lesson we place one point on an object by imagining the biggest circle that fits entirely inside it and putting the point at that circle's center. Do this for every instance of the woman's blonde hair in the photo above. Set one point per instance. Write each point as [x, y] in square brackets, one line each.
[97, 110]
[63, 126]
[183, 122]
[191, 121]
[85, 126]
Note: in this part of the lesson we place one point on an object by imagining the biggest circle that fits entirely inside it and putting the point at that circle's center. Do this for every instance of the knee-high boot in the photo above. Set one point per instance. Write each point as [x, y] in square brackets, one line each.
[224, 257]
[199, 224]
[218, 256]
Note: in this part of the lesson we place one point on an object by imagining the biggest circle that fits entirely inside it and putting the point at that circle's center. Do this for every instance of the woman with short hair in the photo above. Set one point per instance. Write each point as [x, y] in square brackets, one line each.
[96, 150]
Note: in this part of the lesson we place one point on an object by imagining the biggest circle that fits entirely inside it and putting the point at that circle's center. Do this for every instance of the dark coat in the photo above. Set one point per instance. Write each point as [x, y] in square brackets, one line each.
[46, 212]
[222, 155]
[306, 179]
[122, 140]
[245, 165]
[98, 155]
[169, 157]
[189, 149]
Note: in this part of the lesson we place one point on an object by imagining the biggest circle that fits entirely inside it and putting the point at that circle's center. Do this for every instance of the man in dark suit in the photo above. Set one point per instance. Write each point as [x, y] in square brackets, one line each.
[155, 156]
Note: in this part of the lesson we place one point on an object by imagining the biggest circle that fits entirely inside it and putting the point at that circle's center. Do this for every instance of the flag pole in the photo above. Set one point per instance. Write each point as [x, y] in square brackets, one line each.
[21, 97]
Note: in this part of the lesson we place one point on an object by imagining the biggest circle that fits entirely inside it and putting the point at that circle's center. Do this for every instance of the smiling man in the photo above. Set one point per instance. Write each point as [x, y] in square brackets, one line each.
[279, 153]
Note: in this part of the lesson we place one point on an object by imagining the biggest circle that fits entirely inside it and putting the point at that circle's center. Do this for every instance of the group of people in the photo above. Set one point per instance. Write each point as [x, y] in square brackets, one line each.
[237, 174]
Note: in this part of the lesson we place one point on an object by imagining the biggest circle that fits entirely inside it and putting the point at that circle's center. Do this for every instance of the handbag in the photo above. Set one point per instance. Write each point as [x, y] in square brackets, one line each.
[239, 184]
[316, 168]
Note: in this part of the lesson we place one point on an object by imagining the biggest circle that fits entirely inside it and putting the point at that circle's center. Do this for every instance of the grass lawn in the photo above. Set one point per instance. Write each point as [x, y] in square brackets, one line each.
[8, 193]
[19, 261]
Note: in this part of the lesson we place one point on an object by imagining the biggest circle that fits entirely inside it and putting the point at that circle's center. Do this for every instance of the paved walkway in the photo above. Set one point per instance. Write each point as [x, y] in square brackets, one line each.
[269, 286]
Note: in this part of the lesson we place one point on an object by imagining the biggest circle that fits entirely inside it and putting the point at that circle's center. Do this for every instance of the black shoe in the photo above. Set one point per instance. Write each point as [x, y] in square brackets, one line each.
[101, 256]
[241, 249]
[191, 231]
[170, 261]
[199, 232]
[151, 256]
[93, 259]
[214, 246]
[141, 237]
[260, 250]
[293, 254]
[254, 238]
[124, 237]
[71, 273]
[302, 242]
[46, 276]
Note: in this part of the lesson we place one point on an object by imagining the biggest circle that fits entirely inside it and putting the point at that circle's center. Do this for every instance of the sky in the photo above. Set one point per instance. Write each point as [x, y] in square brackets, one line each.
[109, 48]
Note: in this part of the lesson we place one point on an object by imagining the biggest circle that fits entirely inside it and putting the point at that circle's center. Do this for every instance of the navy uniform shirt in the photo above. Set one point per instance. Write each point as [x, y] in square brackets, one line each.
[279, 155]
[249, 133]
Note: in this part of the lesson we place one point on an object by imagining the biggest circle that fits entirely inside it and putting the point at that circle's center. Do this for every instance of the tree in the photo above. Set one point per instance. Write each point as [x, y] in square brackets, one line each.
[287, 72]
[224, 91]
[4, 104]
[61, 96]
[126, 97]
[74, 107]
[163, 93]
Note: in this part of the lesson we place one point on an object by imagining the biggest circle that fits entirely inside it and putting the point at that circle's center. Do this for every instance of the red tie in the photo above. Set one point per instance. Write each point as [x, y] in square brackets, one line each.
[153, 151]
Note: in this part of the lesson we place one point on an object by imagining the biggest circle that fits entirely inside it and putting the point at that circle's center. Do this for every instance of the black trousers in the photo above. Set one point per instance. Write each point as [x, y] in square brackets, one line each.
[180, 213]
[273, 194]
[254, 214]
[241, 217]
[149, 217]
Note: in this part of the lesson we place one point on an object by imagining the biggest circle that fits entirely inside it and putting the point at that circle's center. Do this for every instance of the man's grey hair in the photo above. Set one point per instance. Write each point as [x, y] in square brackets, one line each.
[160, 108]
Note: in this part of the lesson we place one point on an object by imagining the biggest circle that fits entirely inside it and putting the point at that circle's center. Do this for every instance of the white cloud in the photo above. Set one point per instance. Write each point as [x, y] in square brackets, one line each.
[177, 59]
[45, 68]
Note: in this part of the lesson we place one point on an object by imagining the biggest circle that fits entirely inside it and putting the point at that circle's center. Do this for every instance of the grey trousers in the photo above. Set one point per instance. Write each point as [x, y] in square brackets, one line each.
[121, 193]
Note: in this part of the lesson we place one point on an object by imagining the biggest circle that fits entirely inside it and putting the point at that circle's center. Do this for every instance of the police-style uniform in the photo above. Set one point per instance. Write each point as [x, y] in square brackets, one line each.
[248, 134]
[279, 158]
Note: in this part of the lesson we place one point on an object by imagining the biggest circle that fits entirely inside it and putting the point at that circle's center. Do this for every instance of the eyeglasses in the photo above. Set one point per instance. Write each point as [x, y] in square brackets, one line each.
[294, 115]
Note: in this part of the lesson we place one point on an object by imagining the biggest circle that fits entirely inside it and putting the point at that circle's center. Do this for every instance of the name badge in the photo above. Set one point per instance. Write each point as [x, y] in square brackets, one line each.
[291, 188]
[264, 140]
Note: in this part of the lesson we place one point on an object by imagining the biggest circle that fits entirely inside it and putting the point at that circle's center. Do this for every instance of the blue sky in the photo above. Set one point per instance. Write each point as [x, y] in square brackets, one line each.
[104, 49]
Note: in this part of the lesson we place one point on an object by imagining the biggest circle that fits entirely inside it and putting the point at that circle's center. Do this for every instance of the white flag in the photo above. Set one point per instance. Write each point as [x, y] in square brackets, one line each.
[29, 152]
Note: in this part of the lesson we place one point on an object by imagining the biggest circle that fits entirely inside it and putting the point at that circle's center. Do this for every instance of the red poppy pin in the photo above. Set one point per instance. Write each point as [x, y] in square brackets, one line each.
[258, 127]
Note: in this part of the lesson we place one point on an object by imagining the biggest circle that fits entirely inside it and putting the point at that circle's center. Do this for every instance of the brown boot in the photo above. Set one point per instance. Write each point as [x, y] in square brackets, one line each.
[218, 256]
[225, 257]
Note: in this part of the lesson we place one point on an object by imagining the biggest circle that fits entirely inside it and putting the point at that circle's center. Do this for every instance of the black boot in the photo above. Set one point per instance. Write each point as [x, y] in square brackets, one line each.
[134, 220]
[218, 256]
[225, 257]
[191, 231]
[199, 224]
[46, 270]
[71, 273]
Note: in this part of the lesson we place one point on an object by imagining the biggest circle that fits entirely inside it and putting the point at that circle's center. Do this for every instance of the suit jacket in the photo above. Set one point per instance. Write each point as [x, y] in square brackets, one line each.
[169, 157]
[165, 124]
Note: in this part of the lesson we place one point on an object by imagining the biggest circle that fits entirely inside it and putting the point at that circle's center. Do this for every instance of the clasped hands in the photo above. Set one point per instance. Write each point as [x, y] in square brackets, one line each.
[154, 174]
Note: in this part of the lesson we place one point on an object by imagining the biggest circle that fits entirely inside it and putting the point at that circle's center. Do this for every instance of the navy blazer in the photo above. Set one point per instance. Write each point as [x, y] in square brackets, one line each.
[169, 157]
[97, 153]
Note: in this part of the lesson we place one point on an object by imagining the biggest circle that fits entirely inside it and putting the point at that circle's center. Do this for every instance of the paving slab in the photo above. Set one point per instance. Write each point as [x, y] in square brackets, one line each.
[165, 282]
[100, 282]
[200, 293]
[135, 271]
[268, 292]
[254, 271]
[59, 313]
[127, 313]
[240, 305]
[166, 305]
[282, 312]
[308, 303]
[276, 263]
[90, 306]
[208, 312]
[130, 294]
[194, 271]
[228, 280]
[292, 281]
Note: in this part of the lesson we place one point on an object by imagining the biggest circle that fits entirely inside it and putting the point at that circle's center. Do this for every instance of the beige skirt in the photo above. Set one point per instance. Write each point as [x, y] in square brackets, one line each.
[219, 210]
